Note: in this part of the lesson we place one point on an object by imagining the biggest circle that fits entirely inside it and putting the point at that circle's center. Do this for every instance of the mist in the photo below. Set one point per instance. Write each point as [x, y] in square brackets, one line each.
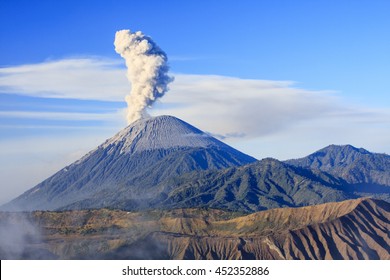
[19, 237]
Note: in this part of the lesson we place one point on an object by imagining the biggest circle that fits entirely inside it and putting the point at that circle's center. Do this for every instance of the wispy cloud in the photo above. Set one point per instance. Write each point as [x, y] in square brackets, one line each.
[79, 78]
[226, 106]
[233, 107]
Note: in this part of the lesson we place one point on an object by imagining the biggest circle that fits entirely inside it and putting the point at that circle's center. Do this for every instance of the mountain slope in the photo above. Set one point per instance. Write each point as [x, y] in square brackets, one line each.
[132, 162]
[352, 229]
[355, 166]
[262, 185]
[364, 173]
[357, 229]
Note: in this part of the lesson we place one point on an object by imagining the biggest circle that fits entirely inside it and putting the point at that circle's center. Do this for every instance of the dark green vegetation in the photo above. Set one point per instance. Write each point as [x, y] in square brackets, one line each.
[355, 166]
[262, 185]
[362, 173]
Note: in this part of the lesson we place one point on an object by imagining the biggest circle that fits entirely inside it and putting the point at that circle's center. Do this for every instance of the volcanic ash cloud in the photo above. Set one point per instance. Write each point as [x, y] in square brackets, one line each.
[147, 71]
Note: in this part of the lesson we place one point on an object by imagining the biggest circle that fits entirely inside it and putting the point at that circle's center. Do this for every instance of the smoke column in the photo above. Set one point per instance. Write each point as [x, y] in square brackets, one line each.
[147, 71]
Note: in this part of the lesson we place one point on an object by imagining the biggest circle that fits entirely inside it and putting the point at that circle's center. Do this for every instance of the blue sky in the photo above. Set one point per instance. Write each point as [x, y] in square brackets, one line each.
[272, 78]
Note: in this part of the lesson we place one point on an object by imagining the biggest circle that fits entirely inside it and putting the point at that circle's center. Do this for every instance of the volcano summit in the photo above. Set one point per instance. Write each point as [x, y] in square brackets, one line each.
[125, 170]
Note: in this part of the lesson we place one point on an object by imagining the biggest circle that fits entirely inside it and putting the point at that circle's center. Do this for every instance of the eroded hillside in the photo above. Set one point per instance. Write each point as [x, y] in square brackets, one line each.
[352, 229]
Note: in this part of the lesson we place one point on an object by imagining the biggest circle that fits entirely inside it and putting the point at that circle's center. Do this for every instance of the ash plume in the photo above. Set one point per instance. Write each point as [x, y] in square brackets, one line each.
[147, 71]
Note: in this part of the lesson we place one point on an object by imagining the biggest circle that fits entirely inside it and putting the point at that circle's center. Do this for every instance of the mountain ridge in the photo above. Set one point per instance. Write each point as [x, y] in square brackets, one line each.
[354, 165]
[262, 185]
[135, 159]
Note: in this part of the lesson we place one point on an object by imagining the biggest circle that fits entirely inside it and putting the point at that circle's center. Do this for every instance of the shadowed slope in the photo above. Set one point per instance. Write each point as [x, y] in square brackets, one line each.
[354, 165]
[261, 185]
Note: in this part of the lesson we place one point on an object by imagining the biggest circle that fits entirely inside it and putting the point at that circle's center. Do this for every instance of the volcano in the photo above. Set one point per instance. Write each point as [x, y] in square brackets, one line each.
[127, 170]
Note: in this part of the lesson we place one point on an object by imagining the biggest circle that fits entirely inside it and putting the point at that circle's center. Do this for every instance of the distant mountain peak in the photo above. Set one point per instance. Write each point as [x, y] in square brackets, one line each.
[354, 165]
[344, 148]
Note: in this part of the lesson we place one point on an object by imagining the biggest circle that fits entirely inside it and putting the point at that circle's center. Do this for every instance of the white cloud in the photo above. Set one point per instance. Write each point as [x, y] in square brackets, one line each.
[237, 107]
[79, 78]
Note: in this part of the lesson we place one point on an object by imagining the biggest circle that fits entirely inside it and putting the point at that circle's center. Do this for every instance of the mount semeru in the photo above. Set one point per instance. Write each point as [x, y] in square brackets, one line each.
[132, 163]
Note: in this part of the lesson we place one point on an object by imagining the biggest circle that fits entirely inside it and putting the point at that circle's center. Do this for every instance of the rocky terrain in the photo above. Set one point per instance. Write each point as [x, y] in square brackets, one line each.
[351, 229]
